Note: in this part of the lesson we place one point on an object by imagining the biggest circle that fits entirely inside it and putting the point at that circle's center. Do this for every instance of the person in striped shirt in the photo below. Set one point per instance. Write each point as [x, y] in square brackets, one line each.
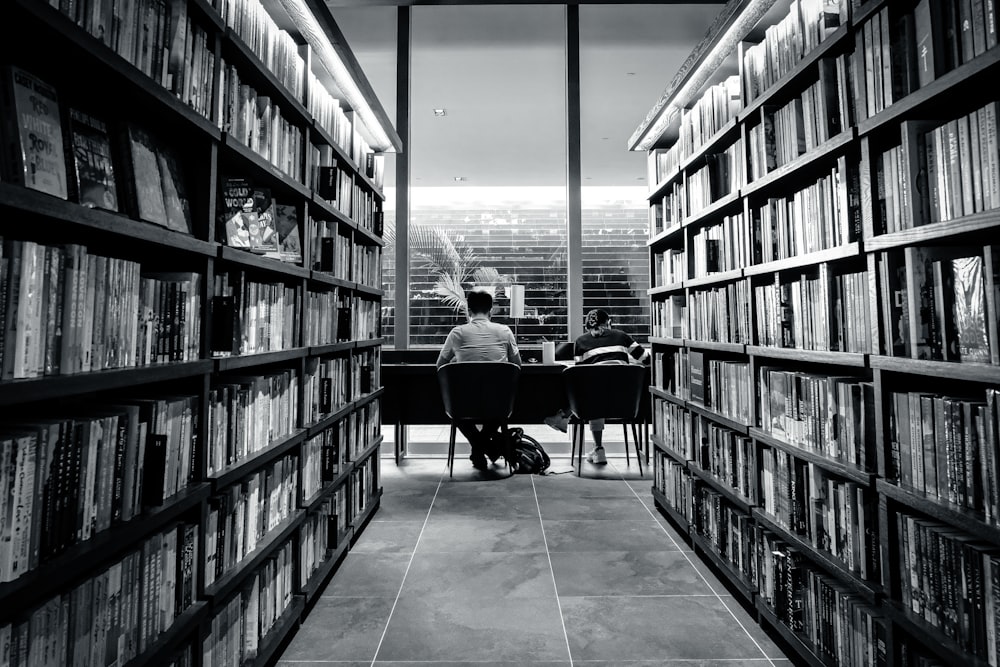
[602, 344]
[480, 340]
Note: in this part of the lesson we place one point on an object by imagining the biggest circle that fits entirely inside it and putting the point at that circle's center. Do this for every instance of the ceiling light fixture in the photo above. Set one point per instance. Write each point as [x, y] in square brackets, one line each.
[440, 112]
[460, 178]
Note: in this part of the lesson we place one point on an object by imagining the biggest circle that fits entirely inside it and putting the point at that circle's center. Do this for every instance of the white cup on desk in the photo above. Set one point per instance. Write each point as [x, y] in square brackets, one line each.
[548, 352]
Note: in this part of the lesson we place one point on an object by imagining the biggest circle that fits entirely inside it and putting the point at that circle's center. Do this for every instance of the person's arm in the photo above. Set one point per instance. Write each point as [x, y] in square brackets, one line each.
[637, 352]
[451, 343]
[513, 354]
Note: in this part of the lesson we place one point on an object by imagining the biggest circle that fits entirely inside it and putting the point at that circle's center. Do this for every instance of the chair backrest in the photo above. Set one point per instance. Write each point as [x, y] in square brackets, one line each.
[608, 391]
[479, 390]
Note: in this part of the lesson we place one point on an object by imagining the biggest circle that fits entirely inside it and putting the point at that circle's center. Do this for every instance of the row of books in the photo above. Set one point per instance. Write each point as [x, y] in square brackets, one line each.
[331, 249]
[726, 529]
[364, 317]
[674, 424]
[257, 122]
[731, 457]
[721, 247]
[251, 219]
[668, 317]
[723, 174]
[242, 515]
[946, 448]
[672, 265]
[246, 414]
[65, 311]
[321, 317]
[239, 627]
[721, 314]
[951, 581]
[364, 486]
[275, 48]
[250, 317]
[667, 212]
[673, 481]
[725, 386]
[65, 479]
[815, 311]
[807, 24]
[319, 534]
[327, 387]
[716, 107]
[330, 179]
[834, 515]
[159, 38]
[327, 112]
[830, 415]
[672, 372]
[366, 209]
[823, 215]
[323, 458]
[115, 614]
[368, 428]
[366, 265]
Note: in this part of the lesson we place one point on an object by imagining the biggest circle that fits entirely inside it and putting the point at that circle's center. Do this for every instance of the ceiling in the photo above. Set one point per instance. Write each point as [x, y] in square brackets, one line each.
[499, 72]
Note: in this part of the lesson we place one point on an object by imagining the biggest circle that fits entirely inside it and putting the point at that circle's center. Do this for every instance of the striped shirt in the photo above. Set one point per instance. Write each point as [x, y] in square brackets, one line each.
[480, 340]
[613, 347]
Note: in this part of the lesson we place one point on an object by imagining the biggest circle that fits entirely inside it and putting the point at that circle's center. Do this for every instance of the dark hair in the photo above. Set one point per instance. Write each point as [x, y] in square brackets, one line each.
[596, 318]
[479, 302]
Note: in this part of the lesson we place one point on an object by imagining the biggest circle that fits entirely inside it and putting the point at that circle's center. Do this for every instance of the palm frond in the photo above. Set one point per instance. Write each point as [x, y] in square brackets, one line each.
[451, 292]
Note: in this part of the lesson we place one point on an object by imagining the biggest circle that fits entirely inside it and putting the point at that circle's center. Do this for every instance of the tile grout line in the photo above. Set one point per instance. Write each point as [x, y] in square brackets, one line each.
[552, 572]
[703, 578]
[409, 563]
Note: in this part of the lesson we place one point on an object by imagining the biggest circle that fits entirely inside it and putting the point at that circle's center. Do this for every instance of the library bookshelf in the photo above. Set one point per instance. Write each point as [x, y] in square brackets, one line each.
[824, 204]
[189, 367]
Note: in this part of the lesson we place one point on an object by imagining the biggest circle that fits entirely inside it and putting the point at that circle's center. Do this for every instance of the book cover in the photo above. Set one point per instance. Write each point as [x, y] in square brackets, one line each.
[93, 166]
[235, 200]
[928, 28]
[146, 181]
[286, 226]
[970, 309]
[176, 204]
[32, 137]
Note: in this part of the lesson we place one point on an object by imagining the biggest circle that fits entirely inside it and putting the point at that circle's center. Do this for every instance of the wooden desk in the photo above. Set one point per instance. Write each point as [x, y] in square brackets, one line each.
[412, 396]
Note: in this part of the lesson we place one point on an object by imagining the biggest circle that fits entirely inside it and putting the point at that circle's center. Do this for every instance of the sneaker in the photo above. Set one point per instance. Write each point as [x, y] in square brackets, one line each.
[479, 461]
[557, 421]
[596, 455]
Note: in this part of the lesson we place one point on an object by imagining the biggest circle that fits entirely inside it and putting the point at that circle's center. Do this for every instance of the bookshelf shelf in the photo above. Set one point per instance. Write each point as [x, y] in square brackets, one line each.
[262, 359]
[662, 446]
[369, 342]
[370, 184]
[260, 169]
[660, 188]
[734, 348]
[223, 587]
[311, 504]
[667, 236]
[172, 639]
[322, 573]
[862, 13]
[368, 290]
[817, 156]
[317, 131]
[964, 518]
[367, 452]
[367, 236]
[779, 89]
[208, 13]
[725, 134]
[987, 221]
[331, 348]
[735, 579]
[666, 289]
[735, 499]
[369, 397]
[56, 574]
[714, 278]
[980, 70]
[954, 370]
[717, 208]
[236, 51]
[731, 424]
[826, 561]
[676, 517]
[287, 622]
[27, 390]
[658, 340]
[841, 468]
[809, 259]
[329, 280]
[275, 450]
[250, 260]
[326, 422]
[328, 211]
[931, 637]
[802, 647]
[361, 520]
[667, 396]
[852, 359]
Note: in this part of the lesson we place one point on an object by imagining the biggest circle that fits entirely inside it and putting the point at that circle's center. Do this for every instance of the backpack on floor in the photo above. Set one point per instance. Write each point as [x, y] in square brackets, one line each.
[527, 456]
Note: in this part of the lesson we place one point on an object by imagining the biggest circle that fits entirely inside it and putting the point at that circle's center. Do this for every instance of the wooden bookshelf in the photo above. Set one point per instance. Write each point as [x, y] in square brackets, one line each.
[884, 229]
[90, 73]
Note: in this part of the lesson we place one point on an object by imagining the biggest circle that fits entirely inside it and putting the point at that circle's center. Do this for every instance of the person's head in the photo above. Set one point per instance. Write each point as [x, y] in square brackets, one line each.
[597, 321]
[479, 302]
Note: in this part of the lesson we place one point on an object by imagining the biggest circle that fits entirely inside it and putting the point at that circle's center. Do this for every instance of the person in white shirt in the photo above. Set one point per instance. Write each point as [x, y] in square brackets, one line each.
[480, 340]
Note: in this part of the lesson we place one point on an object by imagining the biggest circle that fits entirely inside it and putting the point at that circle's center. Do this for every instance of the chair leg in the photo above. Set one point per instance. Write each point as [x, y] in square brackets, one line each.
[451, 451]
[578, 447]
[635, 439]
[509, 446]
[625, 433]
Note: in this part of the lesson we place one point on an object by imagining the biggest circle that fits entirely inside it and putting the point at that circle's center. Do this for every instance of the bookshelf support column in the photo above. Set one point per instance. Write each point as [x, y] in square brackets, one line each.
[574, 211]
[401, 326]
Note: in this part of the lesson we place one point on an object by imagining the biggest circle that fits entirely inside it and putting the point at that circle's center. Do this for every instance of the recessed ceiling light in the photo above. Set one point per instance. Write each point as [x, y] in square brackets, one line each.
[460, 178]
[440, 112]
[629, 73]
[604, 138]
[641, 178]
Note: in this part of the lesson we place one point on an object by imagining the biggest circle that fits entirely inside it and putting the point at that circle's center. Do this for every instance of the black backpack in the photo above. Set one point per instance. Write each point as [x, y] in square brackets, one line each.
[527, 456]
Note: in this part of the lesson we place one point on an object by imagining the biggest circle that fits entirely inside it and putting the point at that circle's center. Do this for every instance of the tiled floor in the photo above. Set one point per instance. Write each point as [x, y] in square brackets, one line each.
[485, 570]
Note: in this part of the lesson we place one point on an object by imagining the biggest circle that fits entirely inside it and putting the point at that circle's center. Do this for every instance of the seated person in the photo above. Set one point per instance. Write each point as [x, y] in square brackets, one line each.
[600, 345]
[480, 340]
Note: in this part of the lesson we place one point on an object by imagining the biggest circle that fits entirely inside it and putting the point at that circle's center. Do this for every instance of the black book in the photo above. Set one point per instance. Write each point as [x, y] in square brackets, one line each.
[344, 323]
[154, 468]
[327, 185]
[327, 251]
[224, 333]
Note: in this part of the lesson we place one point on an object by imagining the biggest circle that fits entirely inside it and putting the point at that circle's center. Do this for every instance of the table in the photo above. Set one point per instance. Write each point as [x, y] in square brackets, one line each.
[412, 396]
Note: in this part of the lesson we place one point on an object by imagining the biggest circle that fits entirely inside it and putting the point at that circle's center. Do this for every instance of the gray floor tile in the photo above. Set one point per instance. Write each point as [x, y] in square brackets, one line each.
[389, 536]
[410, 505]
[506, 508]
[481, 535]
[587, 535]
[369, 575]
[340, 629]
[517, 485]
[746, 662]
[603, 509]
[625, 573]
[439, 629]
[653, 628]
[482, 576]
[571, 486]
[477, 663]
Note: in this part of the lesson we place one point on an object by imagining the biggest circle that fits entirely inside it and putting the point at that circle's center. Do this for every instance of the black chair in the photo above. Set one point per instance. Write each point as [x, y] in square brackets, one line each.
[604, 391]
[477, 391]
